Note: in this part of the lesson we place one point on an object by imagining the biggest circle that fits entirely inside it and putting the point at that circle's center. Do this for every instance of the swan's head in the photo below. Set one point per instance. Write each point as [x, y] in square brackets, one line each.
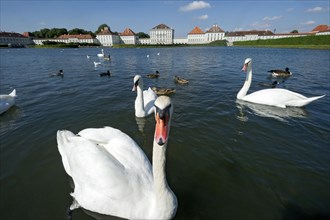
[163, 113]
[247, 63]
[137, 81]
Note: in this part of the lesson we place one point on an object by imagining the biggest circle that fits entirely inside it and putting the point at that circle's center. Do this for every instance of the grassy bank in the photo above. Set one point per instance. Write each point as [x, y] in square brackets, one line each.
[310, 42]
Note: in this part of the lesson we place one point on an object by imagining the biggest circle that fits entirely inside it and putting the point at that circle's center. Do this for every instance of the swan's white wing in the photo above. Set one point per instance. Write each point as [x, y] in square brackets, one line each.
[149, 97]
[121, 146]
[275, 97]
[6, 101]
[102, 183]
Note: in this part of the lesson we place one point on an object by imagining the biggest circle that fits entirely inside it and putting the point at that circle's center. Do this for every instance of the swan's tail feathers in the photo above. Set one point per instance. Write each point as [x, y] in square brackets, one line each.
[303, 102]
[64, 147]
[311, 99]
[13, 93]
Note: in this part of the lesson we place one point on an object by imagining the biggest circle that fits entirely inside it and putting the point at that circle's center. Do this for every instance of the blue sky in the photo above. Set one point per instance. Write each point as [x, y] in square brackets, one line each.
[182, 16]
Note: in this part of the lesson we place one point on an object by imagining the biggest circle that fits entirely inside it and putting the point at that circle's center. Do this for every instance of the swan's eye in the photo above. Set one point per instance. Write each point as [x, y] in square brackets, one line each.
[137, 82]
[163, 113]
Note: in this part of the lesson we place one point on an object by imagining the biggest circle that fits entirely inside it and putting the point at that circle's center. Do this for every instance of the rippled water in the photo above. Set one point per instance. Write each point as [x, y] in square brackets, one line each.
[225, 159]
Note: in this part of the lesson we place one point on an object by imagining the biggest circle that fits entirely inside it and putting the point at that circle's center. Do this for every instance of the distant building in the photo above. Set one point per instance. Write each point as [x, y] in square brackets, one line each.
[161, 34]
[68, 38]
[12, 39]
[322, 29]
[196, 36]
[107, 38]
[247, 35]
[214, 33]
[144, 41]
[128, 37]
[76, 38]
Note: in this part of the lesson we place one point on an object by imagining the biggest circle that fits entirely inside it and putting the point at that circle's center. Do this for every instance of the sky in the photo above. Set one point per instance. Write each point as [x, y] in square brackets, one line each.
[281, 16]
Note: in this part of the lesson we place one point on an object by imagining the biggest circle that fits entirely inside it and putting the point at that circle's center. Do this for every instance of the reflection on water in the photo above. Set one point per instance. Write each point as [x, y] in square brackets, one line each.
[280, 114]
[141, 122]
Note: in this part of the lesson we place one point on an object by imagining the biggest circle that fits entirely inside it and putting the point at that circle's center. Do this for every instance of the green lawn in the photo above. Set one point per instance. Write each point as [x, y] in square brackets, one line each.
[312, 42]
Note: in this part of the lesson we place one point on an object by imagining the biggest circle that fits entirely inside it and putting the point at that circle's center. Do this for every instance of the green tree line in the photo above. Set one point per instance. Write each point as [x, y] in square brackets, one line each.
[56, 32]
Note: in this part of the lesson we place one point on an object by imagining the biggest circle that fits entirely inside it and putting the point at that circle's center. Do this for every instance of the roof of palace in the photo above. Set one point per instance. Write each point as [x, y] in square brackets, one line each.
[11, 34]
[78, 36]
[215, 29]
[196, 30]
[106, 31]
[127, 32]
[161, 26]
[253, 32]
[321, 28]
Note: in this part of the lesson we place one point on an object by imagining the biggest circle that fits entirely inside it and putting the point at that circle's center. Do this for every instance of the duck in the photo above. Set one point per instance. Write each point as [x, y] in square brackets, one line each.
[273, 97]
[59, 73]
[7, 101]
[163, 91]
[113, 176]
[281, 73]
[153, 75]
[180, 80]
[144, 99]
[107, 58]
[108, 73]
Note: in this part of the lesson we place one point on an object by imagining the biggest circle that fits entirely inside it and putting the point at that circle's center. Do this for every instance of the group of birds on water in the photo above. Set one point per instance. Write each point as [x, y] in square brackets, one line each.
[111, 173]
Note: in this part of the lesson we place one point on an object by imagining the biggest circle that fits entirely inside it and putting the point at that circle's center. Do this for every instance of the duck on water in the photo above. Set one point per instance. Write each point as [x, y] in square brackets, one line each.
[280, 73]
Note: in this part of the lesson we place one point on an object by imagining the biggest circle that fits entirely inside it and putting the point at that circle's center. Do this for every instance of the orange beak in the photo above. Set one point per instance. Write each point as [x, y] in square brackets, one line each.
[161, 130]
[244, 67]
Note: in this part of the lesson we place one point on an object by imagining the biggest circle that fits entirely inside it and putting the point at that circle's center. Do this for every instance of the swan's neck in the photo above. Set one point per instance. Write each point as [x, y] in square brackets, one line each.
[246, 85]
[139, 102]
[164, 197]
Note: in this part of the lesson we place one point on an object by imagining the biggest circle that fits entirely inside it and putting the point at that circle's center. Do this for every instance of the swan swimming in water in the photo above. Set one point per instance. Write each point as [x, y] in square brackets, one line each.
[113, 176]
[144, 99]
[7, 101]
[275, 97]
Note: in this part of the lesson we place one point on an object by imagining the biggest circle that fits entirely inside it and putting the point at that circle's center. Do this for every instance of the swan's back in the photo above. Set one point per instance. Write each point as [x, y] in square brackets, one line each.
[7, 101]
[279, 97]
[111, 173]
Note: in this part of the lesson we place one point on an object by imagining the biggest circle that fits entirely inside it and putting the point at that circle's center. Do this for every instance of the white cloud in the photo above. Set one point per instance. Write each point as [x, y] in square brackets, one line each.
[308, 22]
[289, 9]
[260, 25]
[42, 23]
[238, 29]
[271, 18]
[195, 5]
[315, 10]
[203, 17]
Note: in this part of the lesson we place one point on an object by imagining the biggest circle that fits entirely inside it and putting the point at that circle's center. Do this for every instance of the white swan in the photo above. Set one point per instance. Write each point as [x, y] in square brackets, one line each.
[101, 54]
[7, 101]
[113, 176]
[274, 97]
[144, 100]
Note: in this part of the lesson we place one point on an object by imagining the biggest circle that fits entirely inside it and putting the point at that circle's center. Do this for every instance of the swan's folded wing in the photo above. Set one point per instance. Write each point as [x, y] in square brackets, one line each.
[121, 147]
[149, 97]
[91, 166]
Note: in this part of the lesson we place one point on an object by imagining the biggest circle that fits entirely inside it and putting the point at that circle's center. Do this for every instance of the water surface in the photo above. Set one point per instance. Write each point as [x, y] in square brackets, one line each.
[225, 159]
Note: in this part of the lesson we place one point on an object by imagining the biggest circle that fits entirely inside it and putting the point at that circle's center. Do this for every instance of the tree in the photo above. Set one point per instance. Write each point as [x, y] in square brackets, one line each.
[56, 32]
[142, 35]
[101, 27]
[294, 32]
